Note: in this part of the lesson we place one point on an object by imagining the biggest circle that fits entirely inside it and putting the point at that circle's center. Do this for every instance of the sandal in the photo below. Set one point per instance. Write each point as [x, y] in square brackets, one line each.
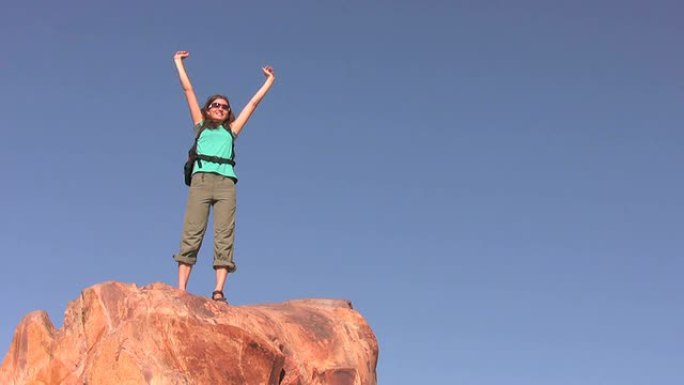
[218, 296]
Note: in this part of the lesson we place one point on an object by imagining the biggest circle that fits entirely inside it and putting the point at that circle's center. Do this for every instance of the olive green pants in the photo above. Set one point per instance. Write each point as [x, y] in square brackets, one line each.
[209, 190]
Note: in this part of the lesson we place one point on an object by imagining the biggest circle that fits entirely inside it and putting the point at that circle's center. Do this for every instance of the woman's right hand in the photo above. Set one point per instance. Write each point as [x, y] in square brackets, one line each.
[180, 55]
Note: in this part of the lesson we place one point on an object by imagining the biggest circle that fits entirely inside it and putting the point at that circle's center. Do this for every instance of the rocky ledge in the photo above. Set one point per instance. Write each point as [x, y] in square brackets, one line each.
[122, 334]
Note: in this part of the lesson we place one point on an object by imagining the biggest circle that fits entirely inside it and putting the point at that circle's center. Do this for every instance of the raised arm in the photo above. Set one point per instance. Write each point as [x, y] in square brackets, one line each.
[195, 111]
[246, 112]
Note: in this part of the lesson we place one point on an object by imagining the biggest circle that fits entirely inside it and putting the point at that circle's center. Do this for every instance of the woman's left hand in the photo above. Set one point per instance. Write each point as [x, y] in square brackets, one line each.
[268, 72]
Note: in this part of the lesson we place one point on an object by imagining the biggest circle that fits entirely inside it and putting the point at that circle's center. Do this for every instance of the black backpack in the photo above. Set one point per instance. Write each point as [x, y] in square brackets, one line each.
[194, 156]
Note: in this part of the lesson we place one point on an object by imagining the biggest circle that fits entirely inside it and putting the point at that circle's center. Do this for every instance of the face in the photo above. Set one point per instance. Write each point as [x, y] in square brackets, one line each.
[218, 109]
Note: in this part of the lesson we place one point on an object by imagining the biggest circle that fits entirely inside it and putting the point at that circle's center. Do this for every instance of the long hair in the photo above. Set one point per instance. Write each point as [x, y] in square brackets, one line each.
[209, 123]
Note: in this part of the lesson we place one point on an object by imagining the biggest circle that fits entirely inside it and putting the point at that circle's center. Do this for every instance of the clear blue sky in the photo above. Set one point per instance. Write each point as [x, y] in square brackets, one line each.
[496, 185]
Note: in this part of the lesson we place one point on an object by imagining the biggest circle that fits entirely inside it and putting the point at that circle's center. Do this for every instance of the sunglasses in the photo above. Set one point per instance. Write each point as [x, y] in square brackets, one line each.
[219, 105]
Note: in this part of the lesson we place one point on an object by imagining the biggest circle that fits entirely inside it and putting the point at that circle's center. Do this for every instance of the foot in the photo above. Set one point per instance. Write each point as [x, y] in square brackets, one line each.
[218, 296]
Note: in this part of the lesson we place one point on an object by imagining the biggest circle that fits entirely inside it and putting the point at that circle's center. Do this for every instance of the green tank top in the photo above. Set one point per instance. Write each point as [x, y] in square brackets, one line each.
[215, 142]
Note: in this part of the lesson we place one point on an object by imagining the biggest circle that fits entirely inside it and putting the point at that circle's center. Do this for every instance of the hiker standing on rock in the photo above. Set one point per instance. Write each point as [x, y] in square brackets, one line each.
[211, 177]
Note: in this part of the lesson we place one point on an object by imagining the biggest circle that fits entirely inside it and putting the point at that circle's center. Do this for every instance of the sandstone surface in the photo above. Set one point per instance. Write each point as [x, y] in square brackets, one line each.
[122, 334]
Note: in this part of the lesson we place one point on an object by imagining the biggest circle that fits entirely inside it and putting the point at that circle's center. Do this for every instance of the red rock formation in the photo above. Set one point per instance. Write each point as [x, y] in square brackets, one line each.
[121, 334]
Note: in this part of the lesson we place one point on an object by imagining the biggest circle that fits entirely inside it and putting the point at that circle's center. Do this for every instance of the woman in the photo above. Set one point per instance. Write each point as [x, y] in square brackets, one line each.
[213, 179]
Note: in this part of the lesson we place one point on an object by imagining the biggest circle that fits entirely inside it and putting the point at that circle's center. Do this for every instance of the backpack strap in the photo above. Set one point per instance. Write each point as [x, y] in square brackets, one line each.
[213, 159]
